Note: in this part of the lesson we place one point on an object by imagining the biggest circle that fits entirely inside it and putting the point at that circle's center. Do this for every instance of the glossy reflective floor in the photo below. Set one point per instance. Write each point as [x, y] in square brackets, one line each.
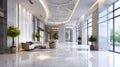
[65, 55]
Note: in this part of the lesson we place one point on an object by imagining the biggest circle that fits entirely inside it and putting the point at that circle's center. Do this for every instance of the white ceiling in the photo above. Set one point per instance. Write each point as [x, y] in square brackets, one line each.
[59, 10]
[35, 8]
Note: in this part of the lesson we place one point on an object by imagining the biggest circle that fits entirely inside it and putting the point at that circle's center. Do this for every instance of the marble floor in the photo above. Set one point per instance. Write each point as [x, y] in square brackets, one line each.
[65, 55]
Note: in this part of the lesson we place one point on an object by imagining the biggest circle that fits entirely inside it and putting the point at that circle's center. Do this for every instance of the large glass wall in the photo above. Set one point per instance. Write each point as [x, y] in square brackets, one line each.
[87, 30]
[117, 25]
[109, 22]
[84, 32]
[103, 40]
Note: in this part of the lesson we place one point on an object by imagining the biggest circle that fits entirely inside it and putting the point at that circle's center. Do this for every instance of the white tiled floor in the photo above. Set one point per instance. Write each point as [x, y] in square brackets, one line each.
[65, 55]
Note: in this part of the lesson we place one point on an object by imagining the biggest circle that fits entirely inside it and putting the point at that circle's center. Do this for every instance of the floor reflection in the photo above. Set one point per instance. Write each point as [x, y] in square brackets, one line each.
[65, 56]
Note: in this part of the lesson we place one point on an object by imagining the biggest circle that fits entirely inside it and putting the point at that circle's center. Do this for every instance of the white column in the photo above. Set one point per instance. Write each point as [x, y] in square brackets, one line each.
[74, 35]
[61, 33]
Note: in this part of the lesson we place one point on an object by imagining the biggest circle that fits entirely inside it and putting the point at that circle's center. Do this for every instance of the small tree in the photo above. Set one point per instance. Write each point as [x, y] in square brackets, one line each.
[37, 35]
[55, 36]
[92, 39]
[79, 40]
[13, 32]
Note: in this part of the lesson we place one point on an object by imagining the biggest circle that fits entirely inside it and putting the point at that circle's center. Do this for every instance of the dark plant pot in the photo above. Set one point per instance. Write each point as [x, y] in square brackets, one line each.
[91, 47]
[79, 42]
[13, 49]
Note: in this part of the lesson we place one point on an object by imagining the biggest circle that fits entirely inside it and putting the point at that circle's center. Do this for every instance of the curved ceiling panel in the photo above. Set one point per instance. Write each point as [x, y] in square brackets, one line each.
[61, 11]
[35, 7]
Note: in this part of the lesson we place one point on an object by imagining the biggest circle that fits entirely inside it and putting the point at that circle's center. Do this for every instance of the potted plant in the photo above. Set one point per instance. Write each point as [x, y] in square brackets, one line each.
[79, 40]
[55, 36]
[92, 40]
[37, 35]
[13, 32]
[52, 43]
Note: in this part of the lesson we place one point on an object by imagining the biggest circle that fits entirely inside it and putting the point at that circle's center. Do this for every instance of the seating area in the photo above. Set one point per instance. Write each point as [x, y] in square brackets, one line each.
[32, 45]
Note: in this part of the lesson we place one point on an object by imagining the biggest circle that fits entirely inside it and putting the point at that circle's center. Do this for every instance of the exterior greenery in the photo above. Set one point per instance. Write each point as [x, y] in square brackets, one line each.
[13, 32]
[117, 37]
[92, 39]
[55, 36]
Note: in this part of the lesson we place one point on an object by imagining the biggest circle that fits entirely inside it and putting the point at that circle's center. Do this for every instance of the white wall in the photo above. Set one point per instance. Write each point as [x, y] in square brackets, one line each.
[25, 25]
[61, 33]
[74, 34]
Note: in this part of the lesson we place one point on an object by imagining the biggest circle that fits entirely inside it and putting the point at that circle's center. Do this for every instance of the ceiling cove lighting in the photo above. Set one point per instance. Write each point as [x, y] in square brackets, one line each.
[46, 8]
[69, 18]
[47, 13]
[91, 10]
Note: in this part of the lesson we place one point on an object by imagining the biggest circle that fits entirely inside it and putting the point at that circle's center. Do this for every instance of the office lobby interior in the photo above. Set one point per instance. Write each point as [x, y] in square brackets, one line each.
[59, 33]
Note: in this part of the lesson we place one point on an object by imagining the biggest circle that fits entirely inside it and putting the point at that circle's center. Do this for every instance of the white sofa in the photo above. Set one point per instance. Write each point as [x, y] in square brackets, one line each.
[27, 46]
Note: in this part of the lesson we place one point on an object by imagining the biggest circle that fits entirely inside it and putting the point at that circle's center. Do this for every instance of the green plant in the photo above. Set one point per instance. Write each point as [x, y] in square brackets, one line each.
[37, 35]
[13, 32]
[92, 39]
[79, 38]
[55, 36]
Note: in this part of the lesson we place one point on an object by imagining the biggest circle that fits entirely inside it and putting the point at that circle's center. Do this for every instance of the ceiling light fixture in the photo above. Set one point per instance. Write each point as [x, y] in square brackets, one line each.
[92, 9]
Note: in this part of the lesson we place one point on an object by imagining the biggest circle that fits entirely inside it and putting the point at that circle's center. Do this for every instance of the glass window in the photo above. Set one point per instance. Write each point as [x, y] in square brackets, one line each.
[103, 19]
[117, 34]
[117, 4]
[103, 13]
[89, 20]
[117, 12]
[90, 24]
[103, 36]
[89, 34]
[110, 33]
[110, 15]
[110, 8]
